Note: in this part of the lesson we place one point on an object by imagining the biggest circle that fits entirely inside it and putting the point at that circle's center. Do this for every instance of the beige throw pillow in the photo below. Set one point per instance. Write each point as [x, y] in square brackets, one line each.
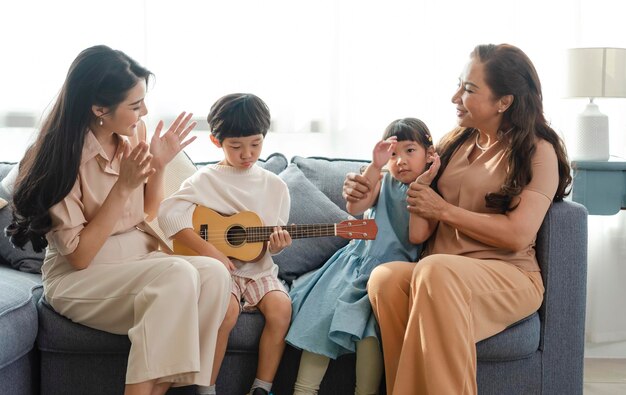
[177, 171]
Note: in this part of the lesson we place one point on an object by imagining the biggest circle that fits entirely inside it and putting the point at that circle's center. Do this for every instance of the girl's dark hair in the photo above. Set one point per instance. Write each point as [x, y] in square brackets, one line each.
[409, 129]
[98, 76]
[508, 71]
[238, 115]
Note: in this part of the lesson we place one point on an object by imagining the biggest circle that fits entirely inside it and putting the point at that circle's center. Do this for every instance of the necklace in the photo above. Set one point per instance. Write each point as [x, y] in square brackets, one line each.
[480, 147]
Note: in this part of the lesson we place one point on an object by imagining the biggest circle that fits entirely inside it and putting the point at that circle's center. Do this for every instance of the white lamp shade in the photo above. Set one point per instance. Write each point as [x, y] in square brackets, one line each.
[596, 72]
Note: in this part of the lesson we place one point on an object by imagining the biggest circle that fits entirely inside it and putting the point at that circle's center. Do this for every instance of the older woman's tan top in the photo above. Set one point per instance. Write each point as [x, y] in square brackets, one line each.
[96, 176]
[465, 185]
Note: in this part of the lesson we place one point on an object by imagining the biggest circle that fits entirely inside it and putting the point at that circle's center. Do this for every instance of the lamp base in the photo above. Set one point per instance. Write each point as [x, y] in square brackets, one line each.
[591, 139]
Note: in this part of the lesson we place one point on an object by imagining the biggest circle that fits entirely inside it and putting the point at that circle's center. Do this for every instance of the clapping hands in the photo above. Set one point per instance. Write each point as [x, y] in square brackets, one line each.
[165, 147]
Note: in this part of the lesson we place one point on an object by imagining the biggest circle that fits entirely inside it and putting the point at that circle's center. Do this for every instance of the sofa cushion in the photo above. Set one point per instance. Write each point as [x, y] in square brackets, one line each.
[518, 341]
[328, 174]
[275, 163]
[59, 334]
[8, 174]
[18, 315]
[308, 206]
[246, 334]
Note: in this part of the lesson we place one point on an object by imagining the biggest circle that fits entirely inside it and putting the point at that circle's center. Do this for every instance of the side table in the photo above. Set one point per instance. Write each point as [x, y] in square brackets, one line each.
[600, 186]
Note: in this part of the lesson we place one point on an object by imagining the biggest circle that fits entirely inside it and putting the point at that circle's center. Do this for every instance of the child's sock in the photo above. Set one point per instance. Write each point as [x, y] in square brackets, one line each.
[204, 390]
[264, 385]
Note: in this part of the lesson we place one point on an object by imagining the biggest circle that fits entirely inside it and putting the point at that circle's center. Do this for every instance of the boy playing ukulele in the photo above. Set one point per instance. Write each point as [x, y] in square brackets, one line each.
[239, 123]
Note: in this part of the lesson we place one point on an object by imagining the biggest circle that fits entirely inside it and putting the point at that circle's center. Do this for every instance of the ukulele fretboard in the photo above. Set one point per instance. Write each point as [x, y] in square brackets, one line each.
[262, 233]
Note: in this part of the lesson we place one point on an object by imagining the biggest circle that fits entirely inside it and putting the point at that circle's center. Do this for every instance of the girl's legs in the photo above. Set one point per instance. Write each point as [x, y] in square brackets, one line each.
[455, 302]
[369, 366]
[389, 289]
[369, 369]
[310, 374]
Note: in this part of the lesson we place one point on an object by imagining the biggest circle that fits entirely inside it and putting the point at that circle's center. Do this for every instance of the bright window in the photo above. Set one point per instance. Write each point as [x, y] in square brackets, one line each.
[334, 73]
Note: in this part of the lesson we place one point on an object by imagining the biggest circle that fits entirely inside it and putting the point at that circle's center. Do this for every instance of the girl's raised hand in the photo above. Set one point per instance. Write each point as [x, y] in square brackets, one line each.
[427, 177]
[164, 148]
[383, 150]
[135, 165]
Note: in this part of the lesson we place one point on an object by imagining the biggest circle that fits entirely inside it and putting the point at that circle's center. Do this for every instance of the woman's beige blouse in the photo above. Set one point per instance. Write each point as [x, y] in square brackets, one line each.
[96, 176]
[465, 185]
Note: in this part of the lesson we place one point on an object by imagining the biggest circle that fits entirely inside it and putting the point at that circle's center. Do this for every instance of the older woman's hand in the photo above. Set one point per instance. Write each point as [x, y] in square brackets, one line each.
[425, 202]
[355, 187]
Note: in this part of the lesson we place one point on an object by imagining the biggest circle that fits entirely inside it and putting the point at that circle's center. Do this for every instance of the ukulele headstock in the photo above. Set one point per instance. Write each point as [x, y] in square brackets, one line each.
[365, 229]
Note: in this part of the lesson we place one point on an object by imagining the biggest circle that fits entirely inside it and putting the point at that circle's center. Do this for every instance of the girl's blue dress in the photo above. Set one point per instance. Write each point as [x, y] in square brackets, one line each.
[331, 309]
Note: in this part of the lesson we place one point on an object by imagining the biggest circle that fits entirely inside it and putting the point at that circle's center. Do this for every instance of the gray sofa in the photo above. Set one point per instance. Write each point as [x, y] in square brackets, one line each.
[42, 352]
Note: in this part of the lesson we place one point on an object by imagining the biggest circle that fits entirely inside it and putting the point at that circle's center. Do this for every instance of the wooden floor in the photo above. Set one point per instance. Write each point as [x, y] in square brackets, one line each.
[605, 376]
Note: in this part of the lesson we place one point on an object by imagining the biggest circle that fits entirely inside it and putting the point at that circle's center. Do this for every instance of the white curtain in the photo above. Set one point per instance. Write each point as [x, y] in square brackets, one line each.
[334, 73]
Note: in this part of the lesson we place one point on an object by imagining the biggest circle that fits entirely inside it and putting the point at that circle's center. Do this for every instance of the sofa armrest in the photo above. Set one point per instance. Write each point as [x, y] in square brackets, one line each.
[562, 254]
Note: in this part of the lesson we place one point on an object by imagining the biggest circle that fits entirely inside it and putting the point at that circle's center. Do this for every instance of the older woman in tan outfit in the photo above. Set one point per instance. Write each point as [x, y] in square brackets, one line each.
[500, 171]
[83, 190]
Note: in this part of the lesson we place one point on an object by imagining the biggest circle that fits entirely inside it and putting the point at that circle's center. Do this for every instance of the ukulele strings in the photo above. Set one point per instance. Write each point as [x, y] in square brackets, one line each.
[319, 230]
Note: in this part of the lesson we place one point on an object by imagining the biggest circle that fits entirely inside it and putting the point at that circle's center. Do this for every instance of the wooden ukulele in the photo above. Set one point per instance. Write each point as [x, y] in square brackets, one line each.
[242, 236]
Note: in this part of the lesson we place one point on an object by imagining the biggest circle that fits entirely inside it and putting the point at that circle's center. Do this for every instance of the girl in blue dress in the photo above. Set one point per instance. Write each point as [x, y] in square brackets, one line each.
[332, 315]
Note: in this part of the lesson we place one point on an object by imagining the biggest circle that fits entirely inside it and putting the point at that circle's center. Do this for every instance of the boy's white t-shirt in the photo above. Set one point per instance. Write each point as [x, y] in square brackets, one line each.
[229, 190]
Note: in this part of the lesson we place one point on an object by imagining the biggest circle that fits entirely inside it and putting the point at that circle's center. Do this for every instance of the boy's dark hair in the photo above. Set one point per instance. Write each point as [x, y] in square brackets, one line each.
[409, 129]
[238, 115]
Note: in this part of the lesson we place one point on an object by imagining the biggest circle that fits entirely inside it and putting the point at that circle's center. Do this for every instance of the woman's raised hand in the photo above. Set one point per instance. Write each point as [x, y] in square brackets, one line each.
[164, 148]
[135, 165]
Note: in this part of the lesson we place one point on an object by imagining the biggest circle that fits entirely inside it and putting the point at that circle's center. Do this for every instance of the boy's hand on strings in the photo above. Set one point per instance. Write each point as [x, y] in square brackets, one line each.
[164, 148]
[383, 151]
[134, 165]
[279, 240]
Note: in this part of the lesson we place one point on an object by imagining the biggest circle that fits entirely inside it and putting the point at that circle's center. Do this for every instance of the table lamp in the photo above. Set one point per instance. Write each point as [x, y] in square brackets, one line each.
[593, 73]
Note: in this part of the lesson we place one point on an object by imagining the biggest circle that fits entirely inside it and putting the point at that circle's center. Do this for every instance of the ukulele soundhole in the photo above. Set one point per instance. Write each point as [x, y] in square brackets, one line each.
[236, 235]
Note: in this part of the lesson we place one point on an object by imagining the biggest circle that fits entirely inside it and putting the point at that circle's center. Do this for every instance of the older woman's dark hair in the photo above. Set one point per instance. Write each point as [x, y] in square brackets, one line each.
[508, 71]
[98, 76]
